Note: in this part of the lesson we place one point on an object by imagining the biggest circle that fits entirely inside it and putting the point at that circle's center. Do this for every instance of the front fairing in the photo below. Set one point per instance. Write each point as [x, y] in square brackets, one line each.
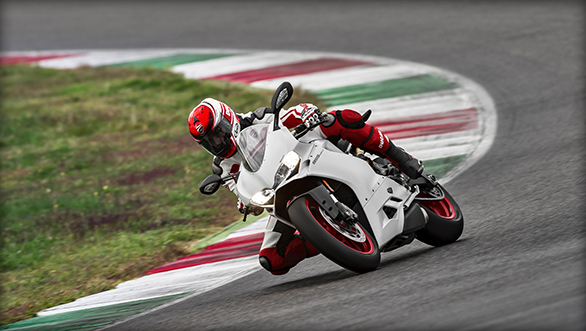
[261, 174]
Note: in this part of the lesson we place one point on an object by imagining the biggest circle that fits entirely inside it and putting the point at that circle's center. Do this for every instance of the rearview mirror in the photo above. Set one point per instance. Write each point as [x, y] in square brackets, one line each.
[210, 185]
[282, 95]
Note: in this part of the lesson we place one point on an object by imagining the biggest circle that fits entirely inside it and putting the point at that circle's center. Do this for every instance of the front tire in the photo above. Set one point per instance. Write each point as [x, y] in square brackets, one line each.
[351, 247]
[446, 221]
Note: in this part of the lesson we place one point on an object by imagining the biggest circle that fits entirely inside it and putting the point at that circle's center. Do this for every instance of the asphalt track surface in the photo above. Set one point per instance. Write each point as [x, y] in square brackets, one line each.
[520, 262]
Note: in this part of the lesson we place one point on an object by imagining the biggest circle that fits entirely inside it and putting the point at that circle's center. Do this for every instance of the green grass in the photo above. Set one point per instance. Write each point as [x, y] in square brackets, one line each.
[100, 178]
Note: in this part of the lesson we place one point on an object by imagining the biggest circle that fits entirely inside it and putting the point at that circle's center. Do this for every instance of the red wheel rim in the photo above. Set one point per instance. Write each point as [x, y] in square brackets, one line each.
[365, 247]
[441, 208]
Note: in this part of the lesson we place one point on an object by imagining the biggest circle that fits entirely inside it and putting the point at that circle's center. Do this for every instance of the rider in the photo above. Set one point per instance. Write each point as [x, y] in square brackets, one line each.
[213, 124]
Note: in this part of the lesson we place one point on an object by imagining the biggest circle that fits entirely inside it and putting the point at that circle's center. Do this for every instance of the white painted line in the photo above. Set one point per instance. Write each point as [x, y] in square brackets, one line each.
[343, 77]
[239, 63]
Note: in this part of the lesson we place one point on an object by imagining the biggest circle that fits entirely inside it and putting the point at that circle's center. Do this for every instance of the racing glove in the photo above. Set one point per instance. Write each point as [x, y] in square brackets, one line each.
[253, 210]
[310, 116]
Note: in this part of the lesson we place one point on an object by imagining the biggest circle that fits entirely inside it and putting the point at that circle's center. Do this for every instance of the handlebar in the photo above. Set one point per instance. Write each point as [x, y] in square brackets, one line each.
[300, 131]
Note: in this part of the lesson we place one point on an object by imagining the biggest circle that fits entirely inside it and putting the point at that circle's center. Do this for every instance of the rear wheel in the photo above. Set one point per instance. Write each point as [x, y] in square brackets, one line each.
[446, 222]
[348, 245]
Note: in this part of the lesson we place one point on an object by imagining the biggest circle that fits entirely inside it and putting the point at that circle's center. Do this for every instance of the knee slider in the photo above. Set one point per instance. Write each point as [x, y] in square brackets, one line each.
[265, 263]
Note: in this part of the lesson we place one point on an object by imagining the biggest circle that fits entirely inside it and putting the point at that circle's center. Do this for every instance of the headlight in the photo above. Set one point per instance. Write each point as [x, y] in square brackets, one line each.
[263, 198]
[289, 167]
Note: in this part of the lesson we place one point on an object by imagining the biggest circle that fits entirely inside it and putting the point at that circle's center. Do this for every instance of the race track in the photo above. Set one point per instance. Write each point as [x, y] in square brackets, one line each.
[519, 264]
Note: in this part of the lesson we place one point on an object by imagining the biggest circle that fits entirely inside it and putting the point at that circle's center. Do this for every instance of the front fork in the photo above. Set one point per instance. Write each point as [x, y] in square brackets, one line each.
[331, 205]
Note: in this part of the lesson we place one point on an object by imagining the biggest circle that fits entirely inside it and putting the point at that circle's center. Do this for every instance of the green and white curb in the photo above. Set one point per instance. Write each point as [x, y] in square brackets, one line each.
[391, 88]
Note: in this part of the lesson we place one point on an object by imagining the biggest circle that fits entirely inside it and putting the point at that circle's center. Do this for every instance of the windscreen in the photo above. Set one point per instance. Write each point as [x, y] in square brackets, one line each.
[251, 146]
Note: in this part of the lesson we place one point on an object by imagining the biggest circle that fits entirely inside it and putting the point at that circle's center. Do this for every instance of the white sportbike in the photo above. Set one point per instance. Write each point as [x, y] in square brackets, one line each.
[348, 204]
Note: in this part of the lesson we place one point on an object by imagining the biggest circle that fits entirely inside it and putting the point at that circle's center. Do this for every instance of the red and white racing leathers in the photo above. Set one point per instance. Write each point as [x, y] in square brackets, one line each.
[282, 248]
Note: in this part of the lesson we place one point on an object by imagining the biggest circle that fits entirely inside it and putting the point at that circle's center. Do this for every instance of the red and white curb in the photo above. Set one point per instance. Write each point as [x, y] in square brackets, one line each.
[430, 125]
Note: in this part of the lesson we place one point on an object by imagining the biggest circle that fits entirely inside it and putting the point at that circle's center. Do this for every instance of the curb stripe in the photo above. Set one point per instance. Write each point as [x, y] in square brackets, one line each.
[428, 148]
[200, 70]
[225, 250]
[255, 225]
[385, 89]
[89, 319]
[228, 244]
[172, 60]
[453, 121]
[195, 280]
[296, 68]
[101, 58]
[8, 60]
[410, 105]
[343, 77]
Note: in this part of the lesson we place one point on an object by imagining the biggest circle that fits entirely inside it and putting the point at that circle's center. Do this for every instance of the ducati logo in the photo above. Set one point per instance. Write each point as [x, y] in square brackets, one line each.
[382, 142]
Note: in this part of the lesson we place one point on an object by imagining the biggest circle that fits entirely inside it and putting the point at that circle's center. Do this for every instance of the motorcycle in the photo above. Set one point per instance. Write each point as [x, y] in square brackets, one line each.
[347, 203]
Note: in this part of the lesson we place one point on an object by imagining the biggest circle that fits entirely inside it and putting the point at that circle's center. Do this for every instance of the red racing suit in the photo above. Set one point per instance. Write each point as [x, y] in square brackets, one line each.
[282, 248]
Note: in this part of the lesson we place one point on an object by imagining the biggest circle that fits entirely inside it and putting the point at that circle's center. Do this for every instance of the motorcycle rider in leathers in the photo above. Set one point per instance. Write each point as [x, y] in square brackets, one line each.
[213, 124]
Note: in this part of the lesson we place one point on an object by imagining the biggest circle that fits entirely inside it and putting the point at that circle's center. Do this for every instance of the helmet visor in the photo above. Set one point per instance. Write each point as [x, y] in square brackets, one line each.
[218, 140]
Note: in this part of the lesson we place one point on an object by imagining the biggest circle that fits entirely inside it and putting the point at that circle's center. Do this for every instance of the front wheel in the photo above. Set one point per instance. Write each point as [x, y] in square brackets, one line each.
[348, 245]
[446, 222]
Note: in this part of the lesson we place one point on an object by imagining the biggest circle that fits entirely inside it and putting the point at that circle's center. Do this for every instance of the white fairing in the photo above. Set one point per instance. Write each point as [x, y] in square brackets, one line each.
[277, 144]
[320, 158]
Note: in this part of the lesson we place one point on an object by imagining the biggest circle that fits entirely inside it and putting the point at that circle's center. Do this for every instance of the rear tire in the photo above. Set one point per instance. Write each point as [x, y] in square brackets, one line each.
[445, 224]
[356, 251]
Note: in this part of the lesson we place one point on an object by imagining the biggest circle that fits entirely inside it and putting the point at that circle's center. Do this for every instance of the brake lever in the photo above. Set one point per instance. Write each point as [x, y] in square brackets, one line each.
[232, 176]
[304, 130]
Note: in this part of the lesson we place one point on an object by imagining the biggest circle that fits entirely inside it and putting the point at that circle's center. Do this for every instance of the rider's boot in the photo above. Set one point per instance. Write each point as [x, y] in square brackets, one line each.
[297, 250]
[411, 166]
